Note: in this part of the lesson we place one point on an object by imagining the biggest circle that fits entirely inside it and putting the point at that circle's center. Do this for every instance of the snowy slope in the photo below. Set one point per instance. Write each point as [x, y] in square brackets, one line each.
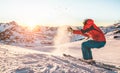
[41, 55]
[23, 60]
[15, 59]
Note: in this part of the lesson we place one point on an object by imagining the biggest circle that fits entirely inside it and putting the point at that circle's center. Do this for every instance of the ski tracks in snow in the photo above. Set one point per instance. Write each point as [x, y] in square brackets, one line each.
[30, 61]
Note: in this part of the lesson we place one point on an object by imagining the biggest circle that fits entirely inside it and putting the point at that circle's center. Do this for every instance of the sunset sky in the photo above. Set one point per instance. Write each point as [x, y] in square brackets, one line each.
[59, 12]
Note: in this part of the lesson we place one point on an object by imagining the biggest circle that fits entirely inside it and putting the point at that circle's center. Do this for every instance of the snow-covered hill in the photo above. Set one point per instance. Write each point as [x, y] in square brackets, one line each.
[20, 60]
[11, 33]
[23, 51]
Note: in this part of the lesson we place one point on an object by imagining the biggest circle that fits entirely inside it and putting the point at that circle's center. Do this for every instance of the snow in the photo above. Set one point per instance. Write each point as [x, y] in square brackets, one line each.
[31, 61]
[3, 27]
[44, 56]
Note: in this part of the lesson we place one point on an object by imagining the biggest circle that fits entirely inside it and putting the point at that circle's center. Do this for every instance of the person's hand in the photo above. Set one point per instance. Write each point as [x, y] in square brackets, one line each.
[70, 29]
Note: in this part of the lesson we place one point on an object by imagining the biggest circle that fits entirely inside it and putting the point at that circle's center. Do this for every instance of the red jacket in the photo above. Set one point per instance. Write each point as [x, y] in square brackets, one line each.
[91, 30]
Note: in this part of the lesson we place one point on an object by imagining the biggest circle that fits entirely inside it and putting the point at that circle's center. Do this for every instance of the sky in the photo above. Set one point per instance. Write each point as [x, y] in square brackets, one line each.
[59, 12]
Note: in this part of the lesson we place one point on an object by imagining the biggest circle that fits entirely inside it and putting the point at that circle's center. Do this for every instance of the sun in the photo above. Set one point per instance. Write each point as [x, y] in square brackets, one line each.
[31, 25]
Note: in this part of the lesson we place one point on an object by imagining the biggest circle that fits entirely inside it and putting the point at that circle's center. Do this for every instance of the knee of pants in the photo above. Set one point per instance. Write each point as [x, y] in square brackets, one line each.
[84, 44]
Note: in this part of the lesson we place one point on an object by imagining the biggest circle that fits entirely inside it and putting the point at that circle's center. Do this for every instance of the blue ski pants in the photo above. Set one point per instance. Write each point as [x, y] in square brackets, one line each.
[88, 45]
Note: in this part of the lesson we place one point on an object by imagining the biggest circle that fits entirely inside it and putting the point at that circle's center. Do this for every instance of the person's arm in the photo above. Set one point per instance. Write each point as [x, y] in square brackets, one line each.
[80, 32]
[77, 32]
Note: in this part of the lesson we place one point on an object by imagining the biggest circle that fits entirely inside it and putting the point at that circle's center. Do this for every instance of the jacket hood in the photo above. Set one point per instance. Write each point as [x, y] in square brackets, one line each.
[90, 21]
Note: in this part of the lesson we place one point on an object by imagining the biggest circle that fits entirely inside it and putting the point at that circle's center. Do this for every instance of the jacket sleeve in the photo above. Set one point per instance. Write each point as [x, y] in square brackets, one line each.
[83, 31]
[80, 32]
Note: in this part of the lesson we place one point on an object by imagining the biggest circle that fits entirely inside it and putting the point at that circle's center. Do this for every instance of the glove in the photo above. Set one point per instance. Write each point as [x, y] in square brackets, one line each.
[70, 29]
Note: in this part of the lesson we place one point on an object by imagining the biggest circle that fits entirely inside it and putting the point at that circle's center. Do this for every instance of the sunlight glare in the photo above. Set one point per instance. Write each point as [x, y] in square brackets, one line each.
[31, 25]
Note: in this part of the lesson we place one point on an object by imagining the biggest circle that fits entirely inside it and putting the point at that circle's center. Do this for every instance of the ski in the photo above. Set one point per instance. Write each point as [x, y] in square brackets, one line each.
[97, 64]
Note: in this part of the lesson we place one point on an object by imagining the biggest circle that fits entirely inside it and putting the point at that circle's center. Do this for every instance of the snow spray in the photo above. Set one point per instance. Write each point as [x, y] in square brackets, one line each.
[62, 37]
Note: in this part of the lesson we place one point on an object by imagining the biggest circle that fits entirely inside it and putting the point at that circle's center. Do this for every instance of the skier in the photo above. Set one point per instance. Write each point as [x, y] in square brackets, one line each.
[90, 30]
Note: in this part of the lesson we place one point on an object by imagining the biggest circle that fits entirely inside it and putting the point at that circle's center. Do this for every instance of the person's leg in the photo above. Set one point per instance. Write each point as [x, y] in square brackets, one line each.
[86, 51]
[86, 48]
